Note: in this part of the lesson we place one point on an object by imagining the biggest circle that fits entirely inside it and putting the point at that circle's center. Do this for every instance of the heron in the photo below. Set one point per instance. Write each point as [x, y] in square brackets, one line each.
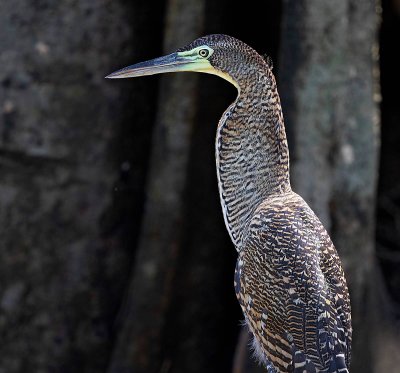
[288, 279]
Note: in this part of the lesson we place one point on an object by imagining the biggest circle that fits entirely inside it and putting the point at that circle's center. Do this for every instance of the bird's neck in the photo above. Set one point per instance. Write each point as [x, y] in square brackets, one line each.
[251, 152]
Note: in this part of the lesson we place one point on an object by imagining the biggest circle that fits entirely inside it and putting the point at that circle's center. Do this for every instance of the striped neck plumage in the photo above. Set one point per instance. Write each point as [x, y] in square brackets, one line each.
[251, 152]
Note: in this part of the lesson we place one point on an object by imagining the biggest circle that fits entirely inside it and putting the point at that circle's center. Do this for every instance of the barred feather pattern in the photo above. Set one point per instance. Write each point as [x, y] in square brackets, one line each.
[251, 150]
[292, 290]
[288, 279]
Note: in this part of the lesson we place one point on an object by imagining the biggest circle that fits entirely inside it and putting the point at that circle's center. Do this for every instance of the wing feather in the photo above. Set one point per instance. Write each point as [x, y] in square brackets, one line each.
[292, 290]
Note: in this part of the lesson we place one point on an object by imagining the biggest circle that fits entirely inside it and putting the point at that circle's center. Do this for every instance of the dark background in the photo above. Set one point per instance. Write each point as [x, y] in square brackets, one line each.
[114, 254]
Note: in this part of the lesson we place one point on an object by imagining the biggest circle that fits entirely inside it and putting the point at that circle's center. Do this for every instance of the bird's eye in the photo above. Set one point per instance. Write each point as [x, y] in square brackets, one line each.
[204, 53]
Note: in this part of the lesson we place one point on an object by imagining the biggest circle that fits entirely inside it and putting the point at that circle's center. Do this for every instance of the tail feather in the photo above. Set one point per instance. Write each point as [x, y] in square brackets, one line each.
[338, 364]
[300, 363]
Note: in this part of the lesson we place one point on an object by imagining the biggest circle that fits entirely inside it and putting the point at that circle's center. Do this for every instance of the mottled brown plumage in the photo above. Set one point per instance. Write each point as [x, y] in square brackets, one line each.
[288, 279]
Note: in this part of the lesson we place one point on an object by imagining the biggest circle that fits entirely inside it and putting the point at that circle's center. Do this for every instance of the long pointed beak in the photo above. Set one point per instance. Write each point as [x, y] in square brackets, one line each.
[171, 63]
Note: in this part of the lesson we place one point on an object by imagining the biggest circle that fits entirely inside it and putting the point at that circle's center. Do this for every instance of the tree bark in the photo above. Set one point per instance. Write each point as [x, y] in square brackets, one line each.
[63, 260]
[330, 96]
[144, 314]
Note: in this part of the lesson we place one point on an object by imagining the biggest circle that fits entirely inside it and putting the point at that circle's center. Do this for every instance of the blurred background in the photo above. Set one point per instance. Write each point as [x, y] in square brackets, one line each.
[114, 254]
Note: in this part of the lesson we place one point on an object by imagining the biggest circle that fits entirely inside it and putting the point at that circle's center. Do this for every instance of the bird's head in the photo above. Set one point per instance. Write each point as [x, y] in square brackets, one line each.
[217, 54]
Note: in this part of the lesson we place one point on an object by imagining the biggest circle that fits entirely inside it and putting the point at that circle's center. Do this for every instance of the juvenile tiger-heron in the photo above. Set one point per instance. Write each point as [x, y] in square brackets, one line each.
[288, 279]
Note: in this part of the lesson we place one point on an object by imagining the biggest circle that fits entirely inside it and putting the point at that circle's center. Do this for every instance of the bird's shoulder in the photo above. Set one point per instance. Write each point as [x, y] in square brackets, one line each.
[285, 236]
[283, 210]
[285, 221]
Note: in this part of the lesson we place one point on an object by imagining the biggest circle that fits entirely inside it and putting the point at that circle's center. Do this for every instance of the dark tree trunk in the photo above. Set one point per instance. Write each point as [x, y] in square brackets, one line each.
[330, 95]
[148, 298]
[64, 257]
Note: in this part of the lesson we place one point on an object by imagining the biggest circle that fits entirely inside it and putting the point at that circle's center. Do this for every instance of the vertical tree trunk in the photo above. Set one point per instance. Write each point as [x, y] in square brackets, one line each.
[144, 315]
[57, 272]
[328, 84]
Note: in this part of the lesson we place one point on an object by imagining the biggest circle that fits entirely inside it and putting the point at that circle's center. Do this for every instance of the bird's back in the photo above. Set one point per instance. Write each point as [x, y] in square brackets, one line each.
[291, 287]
